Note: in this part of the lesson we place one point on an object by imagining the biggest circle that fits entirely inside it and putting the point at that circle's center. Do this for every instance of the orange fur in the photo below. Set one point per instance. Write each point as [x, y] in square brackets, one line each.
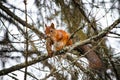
[60, 38]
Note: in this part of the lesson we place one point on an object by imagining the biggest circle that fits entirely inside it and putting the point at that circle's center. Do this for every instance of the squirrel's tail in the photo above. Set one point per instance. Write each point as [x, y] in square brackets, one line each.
[94, 61]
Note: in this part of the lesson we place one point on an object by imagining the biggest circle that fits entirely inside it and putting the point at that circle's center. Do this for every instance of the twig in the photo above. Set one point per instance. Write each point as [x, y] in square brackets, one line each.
[84, 15]
[18, 19]
[72, 35]
[30, 74]
[114, 33]
[27, 44]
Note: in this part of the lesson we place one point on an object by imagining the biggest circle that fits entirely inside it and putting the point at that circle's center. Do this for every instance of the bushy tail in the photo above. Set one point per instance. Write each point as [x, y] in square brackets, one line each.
[94, 61]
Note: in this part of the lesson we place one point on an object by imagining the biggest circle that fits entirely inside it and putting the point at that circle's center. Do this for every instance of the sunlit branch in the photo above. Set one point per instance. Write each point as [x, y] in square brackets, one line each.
[42, 58]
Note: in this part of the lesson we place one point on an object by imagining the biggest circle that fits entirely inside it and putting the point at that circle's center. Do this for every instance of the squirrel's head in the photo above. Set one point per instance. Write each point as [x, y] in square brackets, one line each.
[49, 30]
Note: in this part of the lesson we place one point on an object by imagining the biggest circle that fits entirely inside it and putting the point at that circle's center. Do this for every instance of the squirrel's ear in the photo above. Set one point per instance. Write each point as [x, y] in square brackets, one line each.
[45, 25]
[52, 25]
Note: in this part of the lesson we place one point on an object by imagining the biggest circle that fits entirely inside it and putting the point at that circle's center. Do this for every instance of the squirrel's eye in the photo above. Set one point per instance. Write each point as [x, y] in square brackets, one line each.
[51, 30]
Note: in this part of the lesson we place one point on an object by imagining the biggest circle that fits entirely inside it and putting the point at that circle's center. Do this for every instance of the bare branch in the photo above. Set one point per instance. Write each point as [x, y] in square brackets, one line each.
[96, 37]
[42, 58]
[22, 65]
[7, 11]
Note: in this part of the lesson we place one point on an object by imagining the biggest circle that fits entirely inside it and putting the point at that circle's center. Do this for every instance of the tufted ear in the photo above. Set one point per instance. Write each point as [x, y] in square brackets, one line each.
[45, 25]
[52, 25]
[45, 28]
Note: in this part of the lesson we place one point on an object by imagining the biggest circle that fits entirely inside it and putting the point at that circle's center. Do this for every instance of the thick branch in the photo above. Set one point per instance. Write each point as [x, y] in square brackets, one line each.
[22, 65]
[96, 37]
[42, 58]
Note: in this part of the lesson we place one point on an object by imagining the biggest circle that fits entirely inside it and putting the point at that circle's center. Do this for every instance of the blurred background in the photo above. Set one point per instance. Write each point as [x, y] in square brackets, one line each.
[93, 15]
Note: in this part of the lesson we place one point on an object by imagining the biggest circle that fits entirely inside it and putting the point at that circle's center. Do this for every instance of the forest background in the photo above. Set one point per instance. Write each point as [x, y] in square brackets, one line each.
[23, 54]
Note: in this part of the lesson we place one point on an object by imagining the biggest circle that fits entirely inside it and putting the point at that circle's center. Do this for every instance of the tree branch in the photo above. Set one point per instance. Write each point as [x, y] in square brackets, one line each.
[22, 65]
[42, 58]
[18, 19]
[84, 15]
[96, 37]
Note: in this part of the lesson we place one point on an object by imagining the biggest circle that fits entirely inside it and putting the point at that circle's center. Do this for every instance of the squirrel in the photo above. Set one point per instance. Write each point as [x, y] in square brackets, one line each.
[60, 39]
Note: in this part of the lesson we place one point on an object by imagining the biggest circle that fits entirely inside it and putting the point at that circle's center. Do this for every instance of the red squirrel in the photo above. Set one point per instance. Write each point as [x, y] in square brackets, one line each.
[60, 39]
